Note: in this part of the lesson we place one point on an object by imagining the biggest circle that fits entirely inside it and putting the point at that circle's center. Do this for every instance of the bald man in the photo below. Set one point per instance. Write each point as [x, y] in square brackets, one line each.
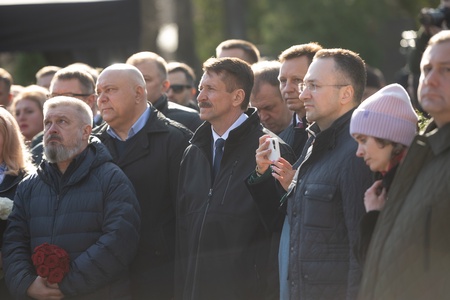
[148, 147]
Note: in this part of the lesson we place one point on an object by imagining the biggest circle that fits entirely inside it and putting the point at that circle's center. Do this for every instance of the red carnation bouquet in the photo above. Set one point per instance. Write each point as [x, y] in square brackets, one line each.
[51, 262]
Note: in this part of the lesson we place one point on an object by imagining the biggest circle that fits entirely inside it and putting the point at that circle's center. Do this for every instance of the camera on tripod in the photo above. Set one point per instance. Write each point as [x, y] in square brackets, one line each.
[435, 16]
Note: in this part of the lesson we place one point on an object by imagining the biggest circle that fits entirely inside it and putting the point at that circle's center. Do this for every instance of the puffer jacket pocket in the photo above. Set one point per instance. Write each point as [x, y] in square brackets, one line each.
[324, 279]
[319, 207]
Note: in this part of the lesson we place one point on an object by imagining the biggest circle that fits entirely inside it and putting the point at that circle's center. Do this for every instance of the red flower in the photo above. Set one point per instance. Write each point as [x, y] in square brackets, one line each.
[56, 275]
[43, 270]
[51, 261]
[38, 258]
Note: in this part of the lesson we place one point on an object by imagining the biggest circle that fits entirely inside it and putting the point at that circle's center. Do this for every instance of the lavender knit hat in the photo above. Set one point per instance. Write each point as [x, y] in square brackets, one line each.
[387, 114]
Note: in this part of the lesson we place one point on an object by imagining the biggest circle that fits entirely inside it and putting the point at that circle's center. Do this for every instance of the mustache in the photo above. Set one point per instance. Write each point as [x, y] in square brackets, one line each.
[204, 104]
[53, 137]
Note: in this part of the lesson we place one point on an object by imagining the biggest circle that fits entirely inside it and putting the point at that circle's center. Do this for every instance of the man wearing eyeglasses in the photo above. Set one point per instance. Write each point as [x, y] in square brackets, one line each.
[324, 199]
[70, 82]
[77, 83]
[182, 88]
[154, 69]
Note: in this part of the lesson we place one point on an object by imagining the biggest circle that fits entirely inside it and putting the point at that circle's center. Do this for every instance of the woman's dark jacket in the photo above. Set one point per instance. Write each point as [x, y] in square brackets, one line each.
[369, 220]
[8, 190]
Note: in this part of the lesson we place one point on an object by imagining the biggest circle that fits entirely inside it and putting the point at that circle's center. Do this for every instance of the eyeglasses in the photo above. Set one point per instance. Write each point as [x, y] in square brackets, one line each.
[312, 87]
[178, 88]
[67, 95]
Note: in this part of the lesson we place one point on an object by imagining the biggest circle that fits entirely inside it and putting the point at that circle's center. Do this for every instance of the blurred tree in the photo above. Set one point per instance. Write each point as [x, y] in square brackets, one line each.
[26, 66]
[209, 23]
[150, 24]
[186, 34]
[371, 28]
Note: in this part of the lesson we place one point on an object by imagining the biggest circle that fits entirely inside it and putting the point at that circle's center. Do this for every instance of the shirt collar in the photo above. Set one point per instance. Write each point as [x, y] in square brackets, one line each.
[137, 126]
[237, 123]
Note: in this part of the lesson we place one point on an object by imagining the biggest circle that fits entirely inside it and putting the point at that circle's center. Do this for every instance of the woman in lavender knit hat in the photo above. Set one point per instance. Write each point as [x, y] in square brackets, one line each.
[384, 126]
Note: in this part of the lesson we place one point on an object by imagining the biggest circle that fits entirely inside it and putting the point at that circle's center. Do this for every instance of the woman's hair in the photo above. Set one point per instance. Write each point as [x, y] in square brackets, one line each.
[397, 148]
[34, 93]
[15, 154]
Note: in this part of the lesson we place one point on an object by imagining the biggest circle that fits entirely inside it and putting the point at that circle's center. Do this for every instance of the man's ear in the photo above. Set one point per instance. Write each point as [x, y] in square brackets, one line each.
[87, 129]
[140, 94]
[165, 86]
[347, 93]
[238, 97]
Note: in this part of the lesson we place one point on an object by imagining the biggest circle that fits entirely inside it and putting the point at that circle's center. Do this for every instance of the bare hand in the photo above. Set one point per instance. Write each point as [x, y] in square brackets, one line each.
[375, 196]
[40, 289]
[262, 154]
[283, 172]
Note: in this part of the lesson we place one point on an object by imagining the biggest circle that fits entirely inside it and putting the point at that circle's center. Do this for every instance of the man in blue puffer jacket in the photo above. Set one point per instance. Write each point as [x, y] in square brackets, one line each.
[80, 201]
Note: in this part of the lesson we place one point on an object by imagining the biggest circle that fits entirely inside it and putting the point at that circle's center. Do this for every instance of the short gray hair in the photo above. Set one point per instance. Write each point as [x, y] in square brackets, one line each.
[83, 110]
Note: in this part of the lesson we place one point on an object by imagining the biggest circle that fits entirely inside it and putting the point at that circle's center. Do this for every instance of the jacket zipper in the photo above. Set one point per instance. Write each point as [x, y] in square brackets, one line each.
[228, 182]
[194, 280]
[427, 240]
[54, 216]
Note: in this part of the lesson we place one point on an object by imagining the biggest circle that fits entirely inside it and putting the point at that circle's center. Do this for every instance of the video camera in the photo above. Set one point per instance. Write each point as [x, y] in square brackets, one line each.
[435, 16]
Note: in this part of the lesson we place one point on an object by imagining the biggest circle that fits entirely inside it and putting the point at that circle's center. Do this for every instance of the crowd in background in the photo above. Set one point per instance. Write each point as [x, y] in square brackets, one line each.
[161, 186]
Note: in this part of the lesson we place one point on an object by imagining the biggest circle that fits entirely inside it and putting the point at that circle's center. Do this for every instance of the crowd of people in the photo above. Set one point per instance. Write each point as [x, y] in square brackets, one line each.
[161, 187]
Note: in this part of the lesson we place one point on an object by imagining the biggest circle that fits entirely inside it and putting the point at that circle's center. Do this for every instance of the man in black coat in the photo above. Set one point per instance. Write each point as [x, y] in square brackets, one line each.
[148, 147]
[222, 245]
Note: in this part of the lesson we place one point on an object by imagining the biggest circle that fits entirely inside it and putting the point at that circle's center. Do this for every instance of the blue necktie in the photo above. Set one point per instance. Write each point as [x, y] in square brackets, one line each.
[218, 156]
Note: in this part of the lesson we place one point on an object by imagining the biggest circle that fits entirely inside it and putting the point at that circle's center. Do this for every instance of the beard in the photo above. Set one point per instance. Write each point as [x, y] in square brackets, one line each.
[56, 152]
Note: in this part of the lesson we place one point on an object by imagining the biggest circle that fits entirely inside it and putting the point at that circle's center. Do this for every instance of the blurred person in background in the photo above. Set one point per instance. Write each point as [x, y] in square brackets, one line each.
[45, 74]
[375, 81]
[27, 107]
[6, 81]
[266, 97]
[154, 69]
[15, 163]
[432, 21]
[242, 49]
[182, 88]
[294, 64]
